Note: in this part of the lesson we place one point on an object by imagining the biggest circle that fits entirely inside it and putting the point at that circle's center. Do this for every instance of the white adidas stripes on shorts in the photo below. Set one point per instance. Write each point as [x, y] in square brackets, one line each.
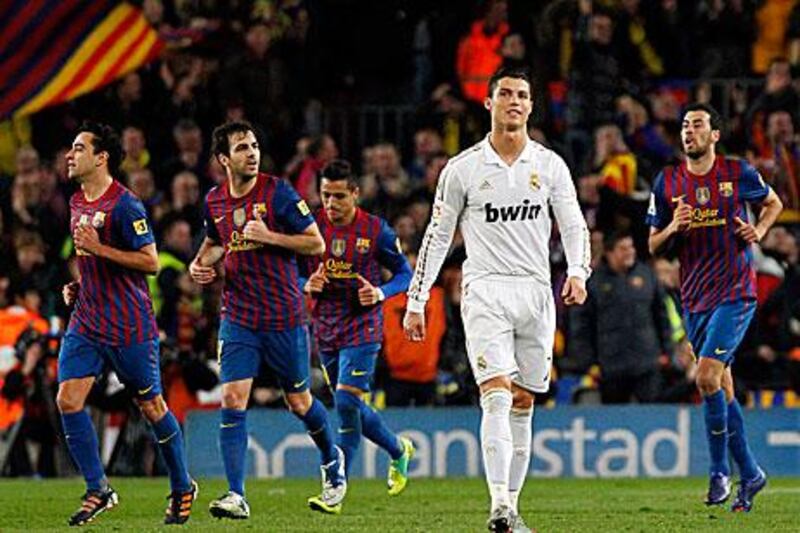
[510, 326]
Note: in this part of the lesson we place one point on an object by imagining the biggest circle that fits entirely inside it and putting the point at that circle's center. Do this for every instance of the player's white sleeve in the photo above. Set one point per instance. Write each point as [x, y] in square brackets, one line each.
[571, 224]
[446, 210]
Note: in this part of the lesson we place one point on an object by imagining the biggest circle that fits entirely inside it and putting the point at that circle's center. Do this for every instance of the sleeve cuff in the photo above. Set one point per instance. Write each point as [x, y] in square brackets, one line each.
[415, 306]
[579, 272]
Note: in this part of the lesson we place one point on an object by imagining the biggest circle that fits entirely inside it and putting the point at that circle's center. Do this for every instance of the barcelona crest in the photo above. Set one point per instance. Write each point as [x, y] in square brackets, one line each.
[259, 209]
[726, 188]
[338, 247]
[703, 195]
[362, 245]
[239, 216]
[535, 182]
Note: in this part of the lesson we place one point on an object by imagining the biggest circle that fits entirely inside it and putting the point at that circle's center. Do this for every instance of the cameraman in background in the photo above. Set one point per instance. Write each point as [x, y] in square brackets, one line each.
[27, 378]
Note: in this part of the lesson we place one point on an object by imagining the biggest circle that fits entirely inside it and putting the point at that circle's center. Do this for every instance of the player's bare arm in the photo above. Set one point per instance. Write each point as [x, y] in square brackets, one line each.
[202, 268]
[144, 259]
[310, 242]
[681, 220]
[771, 207]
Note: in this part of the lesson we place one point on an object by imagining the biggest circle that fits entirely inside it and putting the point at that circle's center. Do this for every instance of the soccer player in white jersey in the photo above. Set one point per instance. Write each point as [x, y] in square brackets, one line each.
[501, 192]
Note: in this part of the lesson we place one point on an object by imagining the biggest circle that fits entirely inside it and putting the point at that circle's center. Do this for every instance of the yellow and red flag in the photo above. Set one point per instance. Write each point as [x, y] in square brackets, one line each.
[55, 50]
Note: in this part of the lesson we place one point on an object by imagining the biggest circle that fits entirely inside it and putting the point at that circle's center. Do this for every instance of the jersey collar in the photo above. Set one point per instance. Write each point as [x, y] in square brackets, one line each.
[492, 157]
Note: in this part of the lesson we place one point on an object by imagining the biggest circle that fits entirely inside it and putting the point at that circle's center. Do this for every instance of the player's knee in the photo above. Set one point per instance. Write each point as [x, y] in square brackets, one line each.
[153, 409]
[69, 401]
[347, 399]
[707, 383]
[234, 399]
[299, 403]
[523, 399]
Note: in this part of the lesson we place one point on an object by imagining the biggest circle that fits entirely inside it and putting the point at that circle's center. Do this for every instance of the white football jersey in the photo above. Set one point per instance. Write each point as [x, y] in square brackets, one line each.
[504, 215]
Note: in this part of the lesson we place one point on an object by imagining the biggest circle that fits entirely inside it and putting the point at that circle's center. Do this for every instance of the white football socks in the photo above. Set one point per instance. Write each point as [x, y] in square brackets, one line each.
[496, 443]
[521, 429]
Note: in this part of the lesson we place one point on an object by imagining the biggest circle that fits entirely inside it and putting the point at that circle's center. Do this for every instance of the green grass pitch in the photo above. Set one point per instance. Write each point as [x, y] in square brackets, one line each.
[458, 505]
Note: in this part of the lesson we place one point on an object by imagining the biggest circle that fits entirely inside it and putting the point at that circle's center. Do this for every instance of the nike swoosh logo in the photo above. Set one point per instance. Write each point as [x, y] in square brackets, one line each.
[346, 430]
[357, 373]
[677, 198]
[226, 426]
[299, 384]
[166, 439]
[720, 351]
[219, 219]
[717, 432]
[145, 391]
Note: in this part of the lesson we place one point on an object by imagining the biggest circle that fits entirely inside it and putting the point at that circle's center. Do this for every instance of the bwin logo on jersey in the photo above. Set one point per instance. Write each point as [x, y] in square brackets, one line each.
[510, 213]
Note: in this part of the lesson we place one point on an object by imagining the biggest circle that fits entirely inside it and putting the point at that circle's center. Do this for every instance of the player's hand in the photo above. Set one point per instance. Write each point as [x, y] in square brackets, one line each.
[746, 231]
[368, 294]
[257, 231]
[682, 217]
[202, 275]
[574, 291]
[70, 292]
[316, 282]
[86, 238]
[414, 326]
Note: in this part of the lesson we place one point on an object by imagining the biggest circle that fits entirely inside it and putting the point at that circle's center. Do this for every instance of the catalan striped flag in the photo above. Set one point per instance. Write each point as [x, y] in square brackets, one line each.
[55, 50]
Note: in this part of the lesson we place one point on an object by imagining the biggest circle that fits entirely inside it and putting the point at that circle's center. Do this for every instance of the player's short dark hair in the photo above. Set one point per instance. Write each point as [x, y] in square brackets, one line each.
[518, 73]
[714, 117]
[220, 138]
[105, 139]
[610, 240]
[338, 170]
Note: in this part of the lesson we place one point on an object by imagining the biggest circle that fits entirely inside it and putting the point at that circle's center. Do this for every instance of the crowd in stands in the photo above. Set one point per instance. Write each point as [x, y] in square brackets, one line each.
[611, 80]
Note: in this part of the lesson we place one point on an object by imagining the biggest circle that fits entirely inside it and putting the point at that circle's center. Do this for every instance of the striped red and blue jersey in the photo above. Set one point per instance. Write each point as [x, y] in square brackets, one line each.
[365, 246]
[716, 266]
[113, 305]
[261, 281]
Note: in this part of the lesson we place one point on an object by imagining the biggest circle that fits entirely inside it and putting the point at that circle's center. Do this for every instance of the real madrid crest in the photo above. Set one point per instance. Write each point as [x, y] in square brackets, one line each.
[362, 245]
[98, 220]
[726, 188]
[703, 195]
[338, 246]
[239, 216]
[535, 182]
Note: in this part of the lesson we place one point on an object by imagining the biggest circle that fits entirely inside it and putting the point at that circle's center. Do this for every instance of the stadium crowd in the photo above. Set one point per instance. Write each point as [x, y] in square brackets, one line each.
[611, 80]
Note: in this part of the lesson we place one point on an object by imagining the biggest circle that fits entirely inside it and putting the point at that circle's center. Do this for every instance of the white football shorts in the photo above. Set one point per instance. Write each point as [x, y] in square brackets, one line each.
[510, 326]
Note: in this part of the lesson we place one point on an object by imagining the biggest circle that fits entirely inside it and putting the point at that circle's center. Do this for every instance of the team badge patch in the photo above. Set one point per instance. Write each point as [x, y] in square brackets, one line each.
[140, 226]
[338, 247]
[239, 216]
[726, 188]
[362, 245]
[703, 195]
[259, 209]
[535, 182]
[99, 219]
[482, 362]
[303, 208]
